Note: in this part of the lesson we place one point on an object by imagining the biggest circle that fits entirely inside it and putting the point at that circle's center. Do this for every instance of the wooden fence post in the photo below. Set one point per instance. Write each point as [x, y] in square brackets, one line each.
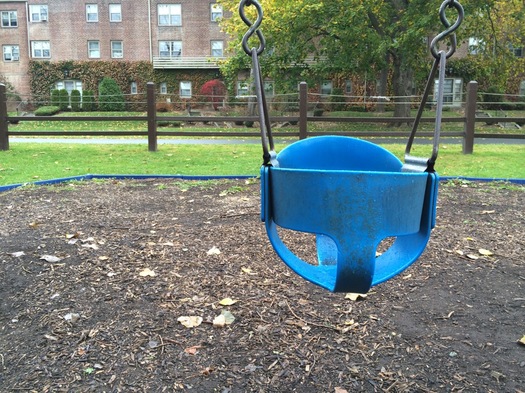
[4, 136]
[303, 110]
[470, 117]
[152, 117]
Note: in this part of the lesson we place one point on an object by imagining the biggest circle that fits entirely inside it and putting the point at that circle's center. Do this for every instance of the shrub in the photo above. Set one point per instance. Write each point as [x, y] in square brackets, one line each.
[47, 111]
[55, 97]
[493, 98]
[63, 99]
[164, 107]
[337, 100]
[75, 100]
[215, 92]
[88, 101]
[110, 96]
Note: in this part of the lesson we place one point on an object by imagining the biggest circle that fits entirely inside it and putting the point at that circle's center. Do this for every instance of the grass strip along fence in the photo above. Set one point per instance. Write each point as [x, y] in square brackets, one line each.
[303, 119]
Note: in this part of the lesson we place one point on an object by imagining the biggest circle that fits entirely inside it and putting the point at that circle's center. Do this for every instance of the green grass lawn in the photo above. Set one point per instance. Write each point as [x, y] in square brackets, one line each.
[28, 162]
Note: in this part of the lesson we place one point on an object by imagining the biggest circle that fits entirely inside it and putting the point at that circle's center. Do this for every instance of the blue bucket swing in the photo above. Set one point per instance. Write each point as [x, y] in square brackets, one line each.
[350, 193]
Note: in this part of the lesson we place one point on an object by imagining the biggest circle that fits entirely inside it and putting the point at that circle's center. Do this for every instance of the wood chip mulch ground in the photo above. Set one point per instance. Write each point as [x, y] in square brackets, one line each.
[99, 279]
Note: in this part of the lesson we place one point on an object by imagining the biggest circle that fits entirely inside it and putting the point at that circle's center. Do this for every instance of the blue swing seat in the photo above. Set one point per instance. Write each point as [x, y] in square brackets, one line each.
[351, 194]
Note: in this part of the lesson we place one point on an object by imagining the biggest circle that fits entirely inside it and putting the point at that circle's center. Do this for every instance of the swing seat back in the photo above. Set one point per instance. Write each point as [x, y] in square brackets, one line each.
[351, 194]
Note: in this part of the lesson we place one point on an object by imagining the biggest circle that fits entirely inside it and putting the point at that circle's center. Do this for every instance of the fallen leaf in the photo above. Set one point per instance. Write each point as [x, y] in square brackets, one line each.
[522, 341]
[472, 256]
[459, 252]
[147, 273]
[192, 350]
[213, 251]
[219, 321]
[248, 271]
[34, 224]
[355, 296]
[340, 390]
[18, 254]
[103, 258]
[50, 258]
[228, 317]
[488, 211]
[486, 253]
[92, 246]
[227, 302]
[190, 322]
[72, 235]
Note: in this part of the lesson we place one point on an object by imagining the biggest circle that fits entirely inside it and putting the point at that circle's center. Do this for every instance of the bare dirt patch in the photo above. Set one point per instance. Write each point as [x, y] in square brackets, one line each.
[94, 277]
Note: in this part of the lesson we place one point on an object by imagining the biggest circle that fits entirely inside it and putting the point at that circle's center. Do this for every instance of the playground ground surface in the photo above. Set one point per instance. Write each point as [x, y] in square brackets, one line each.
[98, 278]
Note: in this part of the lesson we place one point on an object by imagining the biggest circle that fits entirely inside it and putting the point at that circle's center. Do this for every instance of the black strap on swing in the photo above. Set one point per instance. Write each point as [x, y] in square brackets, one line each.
[412, 163]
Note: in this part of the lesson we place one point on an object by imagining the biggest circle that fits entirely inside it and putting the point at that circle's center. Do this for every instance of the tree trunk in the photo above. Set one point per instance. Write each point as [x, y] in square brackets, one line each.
[403, 85]
[383, 82]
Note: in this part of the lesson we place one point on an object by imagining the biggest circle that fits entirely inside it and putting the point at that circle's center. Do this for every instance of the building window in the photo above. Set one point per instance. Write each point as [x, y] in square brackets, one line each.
[326, 88]
[516, 50]
[216, 12]
[185, 90]
[9, 19]
[522, 88]
[453, 91]
[38, 13]
[348, 87]
[475, 45]
[242, 88]
[217, 48]
[170, 48]
[115, 13]
[92, 12]
[134, 89]
[269, 88]
[11, 52]
[94, 49]
[170, 14]
[163, 88]
[40, 49]
[117, 51]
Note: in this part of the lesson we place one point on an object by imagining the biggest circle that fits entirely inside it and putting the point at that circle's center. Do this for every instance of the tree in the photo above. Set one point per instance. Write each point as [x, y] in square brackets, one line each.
[214, 91]
[350, 36]
[110, 96]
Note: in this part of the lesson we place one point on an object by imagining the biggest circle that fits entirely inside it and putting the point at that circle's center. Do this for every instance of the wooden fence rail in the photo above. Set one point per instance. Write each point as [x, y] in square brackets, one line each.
[152, 133]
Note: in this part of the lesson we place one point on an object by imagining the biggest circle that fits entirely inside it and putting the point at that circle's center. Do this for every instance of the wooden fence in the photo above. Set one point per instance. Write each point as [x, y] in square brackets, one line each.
[303, 119]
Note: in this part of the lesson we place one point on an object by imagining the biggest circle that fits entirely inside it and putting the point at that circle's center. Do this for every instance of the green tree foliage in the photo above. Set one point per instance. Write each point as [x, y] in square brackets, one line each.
[365, 37]
[75, 100]
[110, 97]
[55, 97]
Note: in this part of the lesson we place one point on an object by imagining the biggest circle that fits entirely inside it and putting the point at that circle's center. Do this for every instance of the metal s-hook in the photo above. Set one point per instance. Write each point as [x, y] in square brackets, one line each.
[450, 28]
[253, 26]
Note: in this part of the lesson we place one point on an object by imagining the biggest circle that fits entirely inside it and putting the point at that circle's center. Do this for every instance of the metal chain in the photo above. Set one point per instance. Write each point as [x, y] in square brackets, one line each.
[417, 164]
[269, 155]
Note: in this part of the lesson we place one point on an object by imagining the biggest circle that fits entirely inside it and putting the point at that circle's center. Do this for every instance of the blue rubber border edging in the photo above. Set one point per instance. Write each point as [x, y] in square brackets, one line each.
[190, 177]
[121, 177]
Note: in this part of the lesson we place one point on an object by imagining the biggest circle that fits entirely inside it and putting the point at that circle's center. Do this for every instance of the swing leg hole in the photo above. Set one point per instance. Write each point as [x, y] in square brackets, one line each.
[302, 244]
[384, 245]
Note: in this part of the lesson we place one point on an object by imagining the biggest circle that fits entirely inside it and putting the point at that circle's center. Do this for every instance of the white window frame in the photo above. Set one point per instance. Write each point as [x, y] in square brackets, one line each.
[453, 97]
[170, 49]
[115, 12]
[522, 88]
[173, 13]
[94, 49]
[163, 88]
[185, 89]
[10, 22]
[91, 13]
[38, 13]
[348, 87]
[115, 51]
[216, 12]
[327, 87]
[269, 88]
[217, 48]
[134, 88]
[243, 88]
[73, 83]
[11, 53]
[39, 48]
[517, 51]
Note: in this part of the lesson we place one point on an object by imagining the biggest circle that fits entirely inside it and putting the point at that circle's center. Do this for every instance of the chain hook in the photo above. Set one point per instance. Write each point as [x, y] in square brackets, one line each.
[253, 27]
[450, 28]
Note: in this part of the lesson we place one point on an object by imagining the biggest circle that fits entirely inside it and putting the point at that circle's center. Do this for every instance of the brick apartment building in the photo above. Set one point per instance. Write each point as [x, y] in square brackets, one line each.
[170, 34]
